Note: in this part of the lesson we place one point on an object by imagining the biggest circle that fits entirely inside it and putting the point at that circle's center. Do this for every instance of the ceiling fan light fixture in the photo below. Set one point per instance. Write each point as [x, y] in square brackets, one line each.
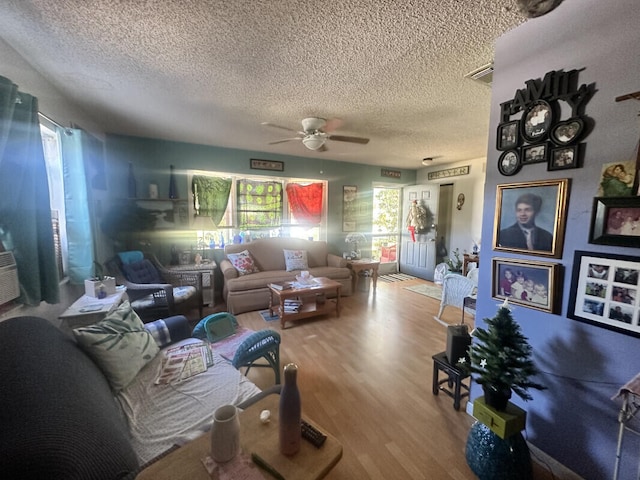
[313, 142]
[427, 161]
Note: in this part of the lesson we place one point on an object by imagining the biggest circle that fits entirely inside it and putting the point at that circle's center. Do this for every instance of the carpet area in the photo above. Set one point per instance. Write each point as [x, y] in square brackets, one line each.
[266, 317]
[432, 291]
[395, 277]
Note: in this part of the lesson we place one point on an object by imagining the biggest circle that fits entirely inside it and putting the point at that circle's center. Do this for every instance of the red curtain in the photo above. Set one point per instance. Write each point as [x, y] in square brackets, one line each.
[305, 202]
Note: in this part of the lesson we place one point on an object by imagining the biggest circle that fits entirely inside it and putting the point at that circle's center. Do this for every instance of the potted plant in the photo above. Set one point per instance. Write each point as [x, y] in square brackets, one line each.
[454, 262]
[501, 359]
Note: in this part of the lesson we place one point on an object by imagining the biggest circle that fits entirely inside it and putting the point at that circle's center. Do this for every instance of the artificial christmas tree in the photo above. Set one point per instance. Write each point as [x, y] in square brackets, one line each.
[501, 360]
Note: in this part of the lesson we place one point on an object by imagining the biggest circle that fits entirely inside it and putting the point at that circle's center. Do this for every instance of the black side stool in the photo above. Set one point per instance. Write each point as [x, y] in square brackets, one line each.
[453, 380]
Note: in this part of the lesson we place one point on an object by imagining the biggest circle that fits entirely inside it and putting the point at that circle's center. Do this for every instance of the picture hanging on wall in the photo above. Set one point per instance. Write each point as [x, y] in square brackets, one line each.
[616, 221]
[349, 208]
[538, 134]
[532, 284]
[604, 291]
[617, 179]
[530, 217]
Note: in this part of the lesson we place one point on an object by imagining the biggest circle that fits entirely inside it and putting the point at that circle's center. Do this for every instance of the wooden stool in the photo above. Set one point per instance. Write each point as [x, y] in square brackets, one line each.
[454, 379]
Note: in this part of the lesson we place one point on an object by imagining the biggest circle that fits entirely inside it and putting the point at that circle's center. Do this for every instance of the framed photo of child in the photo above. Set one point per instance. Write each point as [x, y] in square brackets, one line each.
[529, 283]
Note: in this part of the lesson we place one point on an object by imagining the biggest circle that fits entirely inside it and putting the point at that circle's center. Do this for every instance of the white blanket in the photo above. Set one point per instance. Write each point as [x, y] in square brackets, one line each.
[161, 416]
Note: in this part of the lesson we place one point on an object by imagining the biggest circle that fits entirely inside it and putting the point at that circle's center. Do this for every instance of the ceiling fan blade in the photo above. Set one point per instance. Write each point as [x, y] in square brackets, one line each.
[284, 140]
[278, 126]
[332, 125]
[342, 138]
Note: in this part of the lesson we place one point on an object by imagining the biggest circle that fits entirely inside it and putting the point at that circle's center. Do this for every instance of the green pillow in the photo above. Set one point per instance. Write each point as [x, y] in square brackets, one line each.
[119, 345]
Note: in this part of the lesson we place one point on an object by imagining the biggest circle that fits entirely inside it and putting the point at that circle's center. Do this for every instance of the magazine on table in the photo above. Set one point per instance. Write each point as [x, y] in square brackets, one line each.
[281, 286]
[185, 361]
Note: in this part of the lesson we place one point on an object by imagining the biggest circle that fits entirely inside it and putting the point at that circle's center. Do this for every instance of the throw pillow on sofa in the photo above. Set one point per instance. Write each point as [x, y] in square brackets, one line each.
[243, 262]
[119, 344]
[295, 260]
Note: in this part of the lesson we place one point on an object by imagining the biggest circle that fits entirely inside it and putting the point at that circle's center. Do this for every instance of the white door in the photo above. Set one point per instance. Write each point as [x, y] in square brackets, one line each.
[418, 258]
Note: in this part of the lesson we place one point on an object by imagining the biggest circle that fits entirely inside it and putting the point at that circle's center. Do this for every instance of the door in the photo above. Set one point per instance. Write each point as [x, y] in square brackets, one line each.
[418, 258]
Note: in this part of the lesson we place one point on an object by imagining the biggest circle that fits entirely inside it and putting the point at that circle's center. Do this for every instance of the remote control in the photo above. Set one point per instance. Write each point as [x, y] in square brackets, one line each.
[312, 434]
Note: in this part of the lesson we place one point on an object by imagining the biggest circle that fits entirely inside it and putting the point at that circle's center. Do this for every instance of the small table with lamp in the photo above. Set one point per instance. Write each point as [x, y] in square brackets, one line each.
[361, 265]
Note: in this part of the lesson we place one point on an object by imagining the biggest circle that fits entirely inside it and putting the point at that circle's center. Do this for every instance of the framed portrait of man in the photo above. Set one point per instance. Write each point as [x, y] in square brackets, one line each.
[530, 217]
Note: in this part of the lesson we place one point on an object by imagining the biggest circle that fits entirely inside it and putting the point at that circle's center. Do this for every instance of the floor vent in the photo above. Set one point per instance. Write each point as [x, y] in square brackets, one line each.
[9, 285]
[483, 74]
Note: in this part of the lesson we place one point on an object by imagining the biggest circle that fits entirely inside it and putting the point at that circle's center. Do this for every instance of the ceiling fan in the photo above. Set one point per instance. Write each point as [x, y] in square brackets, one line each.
[315, 132]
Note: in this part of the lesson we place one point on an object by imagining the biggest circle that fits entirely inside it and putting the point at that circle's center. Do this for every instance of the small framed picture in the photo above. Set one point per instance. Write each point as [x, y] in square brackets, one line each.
[563, 158]
[530, 217]
[266, 165]
[605, 291]
[528, 283]
[509, 163]
[565, 133]
[534, 154]
[615, 221]
[507, 135]
[536, 121]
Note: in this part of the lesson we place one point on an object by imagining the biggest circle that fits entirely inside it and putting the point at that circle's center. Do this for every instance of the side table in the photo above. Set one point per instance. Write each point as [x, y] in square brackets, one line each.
[89, 310]
[358, 266]
[310, 463]
[206, 271]
[453, 380]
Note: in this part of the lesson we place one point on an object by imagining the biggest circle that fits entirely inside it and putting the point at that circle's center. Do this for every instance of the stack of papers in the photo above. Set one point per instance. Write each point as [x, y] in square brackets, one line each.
[184, 362]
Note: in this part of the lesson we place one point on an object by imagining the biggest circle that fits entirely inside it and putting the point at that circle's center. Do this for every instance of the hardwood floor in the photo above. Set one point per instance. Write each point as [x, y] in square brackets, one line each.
[366, 378]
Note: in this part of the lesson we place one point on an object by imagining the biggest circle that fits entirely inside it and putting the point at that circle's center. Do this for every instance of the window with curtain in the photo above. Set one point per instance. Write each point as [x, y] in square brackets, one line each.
[252, 203]
[259, 203]
[305, 202]
[211, 196]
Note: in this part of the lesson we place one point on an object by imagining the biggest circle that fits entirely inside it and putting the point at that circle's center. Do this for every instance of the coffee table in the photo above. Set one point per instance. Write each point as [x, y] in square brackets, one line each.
[310, 463]
[89, 310]
[313, 298]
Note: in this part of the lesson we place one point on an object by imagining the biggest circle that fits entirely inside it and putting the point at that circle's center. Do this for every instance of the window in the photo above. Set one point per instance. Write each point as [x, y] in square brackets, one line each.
[260, 206]
[386, 223]
[53, 161]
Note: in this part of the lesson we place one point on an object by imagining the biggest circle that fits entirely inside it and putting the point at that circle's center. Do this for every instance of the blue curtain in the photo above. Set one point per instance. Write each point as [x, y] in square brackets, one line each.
[75, 147]
[25, 212]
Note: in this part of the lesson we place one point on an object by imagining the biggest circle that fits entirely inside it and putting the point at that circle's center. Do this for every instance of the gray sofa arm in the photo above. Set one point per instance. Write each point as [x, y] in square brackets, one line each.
[336, 261]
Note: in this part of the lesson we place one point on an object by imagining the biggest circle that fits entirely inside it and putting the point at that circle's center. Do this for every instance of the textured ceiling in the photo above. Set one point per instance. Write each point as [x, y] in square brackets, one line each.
[211, 71]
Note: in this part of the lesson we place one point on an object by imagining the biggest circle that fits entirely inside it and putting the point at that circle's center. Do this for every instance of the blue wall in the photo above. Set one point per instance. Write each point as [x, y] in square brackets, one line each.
[575, 420]
[152, 157]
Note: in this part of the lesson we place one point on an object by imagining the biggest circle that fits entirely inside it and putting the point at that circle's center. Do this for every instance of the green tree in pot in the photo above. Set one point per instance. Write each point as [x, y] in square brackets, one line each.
[501, 360]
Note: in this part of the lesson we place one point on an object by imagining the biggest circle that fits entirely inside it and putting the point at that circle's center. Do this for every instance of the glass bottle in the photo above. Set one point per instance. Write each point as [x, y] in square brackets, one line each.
[133, 193]
[173, 190]
[290, 412]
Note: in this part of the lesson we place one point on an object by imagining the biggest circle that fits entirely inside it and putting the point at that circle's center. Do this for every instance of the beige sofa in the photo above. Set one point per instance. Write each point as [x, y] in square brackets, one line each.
[244, 293]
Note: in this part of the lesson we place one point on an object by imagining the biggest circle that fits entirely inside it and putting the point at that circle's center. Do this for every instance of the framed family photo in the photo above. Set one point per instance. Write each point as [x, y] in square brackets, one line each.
[534, 154]
[508, 135]
[604, 291]
[615, 221]
[532, 284]
[529, 217]
[563, 157]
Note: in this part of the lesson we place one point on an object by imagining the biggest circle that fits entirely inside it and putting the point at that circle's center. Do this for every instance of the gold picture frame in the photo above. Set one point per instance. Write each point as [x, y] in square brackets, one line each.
[529, 283]
[535, 208]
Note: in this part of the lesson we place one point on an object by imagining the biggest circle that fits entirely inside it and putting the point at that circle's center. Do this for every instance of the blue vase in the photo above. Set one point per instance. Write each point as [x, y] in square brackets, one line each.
[493, 458]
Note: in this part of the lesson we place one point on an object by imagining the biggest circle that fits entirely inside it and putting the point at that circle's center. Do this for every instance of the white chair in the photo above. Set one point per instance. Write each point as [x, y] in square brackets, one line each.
[455, 288]
[439, 273]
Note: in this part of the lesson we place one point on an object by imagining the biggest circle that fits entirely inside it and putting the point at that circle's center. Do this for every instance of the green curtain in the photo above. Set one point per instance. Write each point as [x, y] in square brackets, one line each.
[211, 196]
[259, 204]
[25, 211]
[80, 254]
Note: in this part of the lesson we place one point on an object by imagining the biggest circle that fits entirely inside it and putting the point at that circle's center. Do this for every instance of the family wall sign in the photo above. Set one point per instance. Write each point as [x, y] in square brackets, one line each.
[551, 123]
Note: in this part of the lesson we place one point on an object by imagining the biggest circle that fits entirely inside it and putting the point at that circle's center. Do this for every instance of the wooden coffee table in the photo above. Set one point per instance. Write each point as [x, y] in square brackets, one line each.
[310, 463]
[313, 297]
